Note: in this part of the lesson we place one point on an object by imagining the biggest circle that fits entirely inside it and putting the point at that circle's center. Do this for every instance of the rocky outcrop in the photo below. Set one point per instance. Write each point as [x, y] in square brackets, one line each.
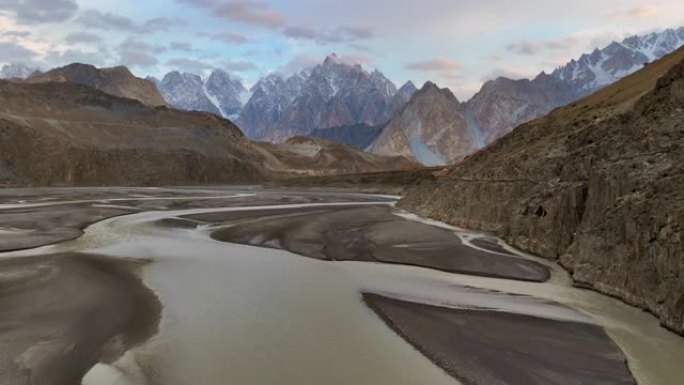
[597, 185]
[117, 81]
[431, 128]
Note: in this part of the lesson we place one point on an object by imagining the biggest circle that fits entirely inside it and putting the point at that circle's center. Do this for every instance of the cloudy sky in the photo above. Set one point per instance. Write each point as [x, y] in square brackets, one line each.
[456, 43]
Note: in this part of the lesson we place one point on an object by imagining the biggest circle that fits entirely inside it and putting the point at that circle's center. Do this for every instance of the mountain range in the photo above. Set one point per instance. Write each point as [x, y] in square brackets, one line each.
[332, 94]
[348, 104]
[503, 103]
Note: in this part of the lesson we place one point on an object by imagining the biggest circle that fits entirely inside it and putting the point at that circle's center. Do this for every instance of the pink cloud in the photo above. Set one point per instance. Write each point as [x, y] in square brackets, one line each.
[435, 65]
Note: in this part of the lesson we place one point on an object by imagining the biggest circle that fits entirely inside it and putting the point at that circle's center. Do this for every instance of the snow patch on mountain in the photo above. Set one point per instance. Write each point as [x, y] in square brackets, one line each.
[619, 59]
[214, 100]
[219, 93]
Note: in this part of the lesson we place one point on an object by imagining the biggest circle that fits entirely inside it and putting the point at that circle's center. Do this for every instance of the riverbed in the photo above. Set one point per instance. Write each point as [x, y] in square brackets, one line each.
[255, 312]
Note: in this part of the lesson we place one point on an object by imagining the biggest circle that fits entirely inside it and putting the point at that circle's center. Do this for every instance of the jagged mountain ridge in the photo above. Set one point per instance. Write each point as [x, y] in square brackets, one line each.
[613, 62]
[270, 97]
[332, 94]
[220, 93]
[226, 93]
[504, 103]
[186, 91]
[432, 124]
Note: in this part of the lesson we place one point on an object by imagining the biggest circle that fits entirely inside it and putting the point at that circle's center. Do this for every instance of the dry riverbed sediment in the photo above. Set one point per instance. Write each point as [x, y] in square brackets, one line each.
[63, 313]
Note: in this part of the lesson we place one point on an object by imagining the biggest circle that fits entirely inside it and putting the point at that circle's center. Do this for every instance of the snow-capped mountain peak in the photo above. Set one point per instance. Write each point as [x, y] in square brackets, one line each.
[618, 59]
[331, 59]
[219, 93]
[226, 93]
[331, 94]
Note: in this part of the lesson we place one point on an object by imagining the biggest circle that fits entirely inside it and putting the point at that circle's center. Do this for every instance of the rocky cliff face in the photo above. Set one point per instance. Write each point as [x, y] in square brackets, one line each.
[118, 81]
[332, 94]
[431, 128]
[503, 103]
[598, 185]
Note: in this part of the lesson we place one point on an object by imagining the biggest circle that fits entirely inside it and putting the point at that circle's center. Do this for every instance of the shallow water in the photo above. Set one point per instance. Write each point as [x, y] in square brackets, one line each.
[246, 315]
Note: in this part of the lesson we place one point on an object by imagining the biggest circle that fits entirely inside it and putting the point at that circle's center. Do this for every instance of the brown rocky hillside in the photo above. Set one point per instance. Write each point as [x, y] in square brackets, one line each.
[62, 133]
[117, 81]
[315, 156]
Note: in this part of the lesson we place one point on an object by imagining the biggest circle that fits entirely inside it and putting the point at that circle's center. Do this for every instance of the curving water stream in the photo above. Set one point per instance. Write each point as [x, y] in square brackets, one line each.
[247, 315]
